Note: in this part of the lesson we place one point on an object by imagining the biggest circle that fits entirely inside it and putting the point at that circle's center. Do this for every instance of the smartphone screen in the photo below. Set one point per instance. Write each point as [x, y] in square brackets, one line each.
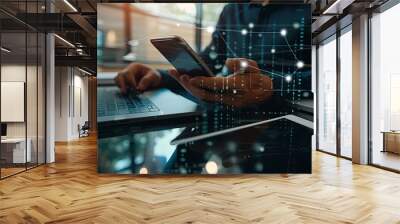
[181, 56]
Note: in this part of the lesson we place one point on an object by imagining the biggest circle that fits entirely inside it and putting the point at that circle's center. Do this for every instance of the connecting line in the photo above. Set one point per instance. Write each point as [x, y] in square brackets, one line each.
[291, 49]
[231, 30]
[226, 44]
[295, 71]
[268, 72]
[286, 90]
[262, 70]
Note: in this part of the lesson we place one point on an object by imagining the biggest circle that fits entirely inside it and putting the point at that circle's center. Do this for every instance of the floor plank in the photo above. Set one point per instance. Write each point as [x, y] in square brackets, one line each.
[71, 191]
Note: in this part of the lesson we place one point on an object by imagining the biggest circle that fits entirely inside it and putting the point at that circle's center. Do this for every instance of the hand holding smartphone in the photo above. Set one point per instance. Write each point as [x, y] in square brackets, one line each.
[182, 56]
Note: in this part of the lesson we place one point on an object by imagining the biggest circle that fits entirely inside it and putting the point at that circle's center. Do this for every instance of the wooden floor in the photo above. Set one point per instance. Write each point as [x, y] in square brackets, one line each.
[71, 191]
[387, 159]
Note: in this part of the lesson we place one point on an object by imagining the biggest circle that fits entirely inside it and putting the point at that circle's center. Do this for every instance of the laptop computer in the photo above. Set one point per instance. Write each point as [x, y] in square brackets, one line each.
[114, 108]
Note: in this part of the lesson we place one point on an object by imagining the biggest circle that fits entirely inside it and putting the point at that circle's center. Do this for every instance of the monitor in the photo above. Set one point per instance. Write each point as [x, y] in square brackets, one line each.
[3, 129]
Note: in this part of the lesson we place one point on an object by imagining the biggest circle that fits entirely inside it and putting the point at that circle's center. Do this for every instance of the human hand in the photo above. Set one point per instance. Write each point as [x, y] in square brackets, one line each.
[246, 86]
[138, 77]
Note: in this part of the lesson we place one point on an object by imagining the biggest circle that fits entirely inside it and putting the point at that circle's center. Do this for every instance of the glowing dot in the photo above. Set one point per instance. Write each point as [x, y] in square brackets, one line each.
[283, 32]
[234, 91]
[213, 55]
[218, 66]
[258, 147]
[259, 35]
[139, 159]
[296, 25]
[251, 25]
[259, 167]
[182, 170]
[300, 64]
[211, 167]
[178, 24]
[244, 32]
[210, 29]
[231, 146]
[143, 170]
[273, 50]
[288, 78]
[244, 64]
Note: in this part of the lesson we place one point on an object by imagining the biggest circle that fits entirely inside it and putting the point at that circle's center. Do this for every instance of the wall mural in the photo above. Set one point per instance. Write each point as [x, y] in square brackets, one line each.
[204, 88]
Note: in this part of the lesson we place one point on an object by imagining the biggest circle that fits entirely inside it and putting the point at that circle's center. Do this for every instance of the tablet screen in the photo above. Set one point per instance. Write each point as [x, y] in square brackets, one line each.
[281, 146]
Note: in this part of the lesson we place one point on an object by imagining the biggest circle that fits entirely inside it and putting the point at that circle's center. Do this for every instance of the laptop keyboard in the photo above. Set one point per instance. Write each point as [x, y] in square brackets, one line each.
[110, 103]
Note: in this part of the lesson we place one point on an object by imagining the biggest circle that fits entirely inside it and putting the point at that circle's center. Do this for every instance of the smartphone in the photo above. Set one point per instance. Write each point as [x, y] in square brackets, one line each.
[182, 56]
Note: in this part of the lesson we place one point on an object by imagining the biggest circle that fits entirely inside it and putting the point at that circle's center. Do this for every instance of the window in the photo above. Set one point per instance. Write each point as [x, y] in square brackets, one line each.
[327, 96]
[184, 12]
[385, 87]
[146, 21]
[346, 93]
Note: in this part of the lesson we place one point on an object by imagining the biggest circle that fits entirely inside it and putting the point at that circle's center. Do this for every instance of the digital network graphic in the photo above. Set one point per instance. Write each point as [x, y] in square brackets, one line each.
[279, 41]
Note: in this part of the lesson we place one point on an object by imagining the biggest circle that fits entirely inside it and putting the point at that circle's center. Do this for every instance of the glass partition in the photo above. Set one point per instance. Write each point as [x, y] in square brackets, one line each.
[14, 151]
[22, 92]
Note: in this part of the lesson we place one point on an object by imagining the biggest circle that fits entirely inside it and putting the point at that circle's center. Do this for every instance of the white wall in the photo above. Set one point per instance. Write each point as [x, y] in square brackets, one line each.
[17, 73]
[70, 83]
[62, 81]
[33, 127]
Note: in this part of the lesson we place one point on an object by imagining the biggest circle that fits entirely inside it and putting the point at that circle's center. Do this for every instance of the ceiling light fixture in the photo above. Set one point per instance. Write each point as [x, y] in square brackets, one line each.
[64, 40]
[337, 7]
[84, 71]
[70, 5]
[5, 50]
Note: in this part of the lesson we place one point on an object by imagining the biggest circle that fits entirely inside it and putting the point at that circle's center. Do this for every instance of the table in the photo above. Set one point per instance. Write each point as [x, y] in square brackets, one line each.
[13, 150]
[391, 141]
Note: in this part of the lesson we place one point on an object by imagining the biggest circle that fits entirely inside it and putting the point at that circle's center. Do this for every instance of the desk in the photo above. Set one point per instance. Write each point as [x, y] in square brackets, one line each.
[391, 141]
[13, 150]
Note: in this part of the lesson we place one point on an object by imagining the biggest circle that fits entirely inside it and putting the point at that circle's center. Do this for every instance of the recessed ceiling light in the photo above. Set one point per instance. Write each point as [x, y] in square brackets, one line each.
[5, 50]
[64, 40]
[84, 71]
[70, 5]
